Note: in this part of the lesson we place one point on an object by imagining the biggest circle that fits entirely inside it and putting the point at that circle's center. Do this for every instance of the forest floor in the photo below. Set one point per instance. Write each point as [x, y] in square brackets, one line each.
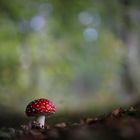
[120, 124]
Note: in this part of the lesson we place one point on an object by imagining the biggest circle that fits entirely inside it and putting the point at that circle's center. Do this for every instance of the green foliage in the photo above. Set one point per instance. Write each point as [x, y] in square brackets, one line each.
[64, 50]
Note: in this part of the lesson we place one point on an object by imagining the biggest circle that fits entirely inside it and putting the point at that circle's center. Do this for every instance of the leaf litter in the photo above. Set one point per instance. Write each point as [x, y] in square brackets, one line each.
[120, 124]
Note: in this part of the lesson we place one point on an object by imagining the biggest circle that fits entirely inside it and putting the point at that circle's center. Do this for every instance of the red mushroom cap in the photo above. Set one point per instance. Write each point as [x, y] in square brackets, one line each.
[40, 107]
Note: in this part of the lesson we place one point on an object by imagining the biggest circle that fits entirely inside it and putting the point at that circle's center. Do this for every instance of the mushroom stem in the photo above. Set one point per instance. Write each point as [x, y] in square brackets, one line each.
[41, 121]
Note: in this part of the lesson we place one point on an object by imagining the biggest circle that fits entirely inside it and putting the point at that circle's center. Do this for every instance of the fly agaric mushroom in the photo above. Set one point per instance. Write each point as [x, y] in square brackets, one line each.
[40, 108]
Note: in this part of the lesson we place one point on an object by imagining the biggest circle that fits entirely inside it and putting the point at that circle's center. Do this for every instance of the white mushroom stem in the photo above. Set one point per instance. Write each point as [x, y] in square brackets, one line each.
[41, 121]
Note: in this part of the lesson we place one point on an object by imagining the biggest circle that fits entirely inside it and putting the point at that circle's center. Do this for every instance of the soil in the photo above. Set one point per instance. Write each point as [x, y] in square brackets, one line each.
[120, 124]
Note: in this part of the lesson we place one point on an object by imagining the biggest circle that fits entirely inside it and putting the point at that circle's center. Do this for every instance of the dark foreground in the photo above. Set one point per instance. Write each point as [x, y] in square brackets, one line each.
[120, 124]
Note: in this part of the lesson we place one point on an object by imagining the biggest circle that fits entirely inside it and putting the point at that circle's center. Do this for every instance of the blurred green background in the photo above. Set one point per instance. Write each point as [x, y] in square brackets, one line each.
[82, 55]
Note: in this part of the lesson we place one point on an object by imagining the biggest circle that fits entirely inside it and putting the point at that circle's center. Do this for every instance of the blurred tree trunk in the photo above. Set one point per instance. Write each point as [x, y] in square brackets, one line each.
[29, 67]
[129, 35]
